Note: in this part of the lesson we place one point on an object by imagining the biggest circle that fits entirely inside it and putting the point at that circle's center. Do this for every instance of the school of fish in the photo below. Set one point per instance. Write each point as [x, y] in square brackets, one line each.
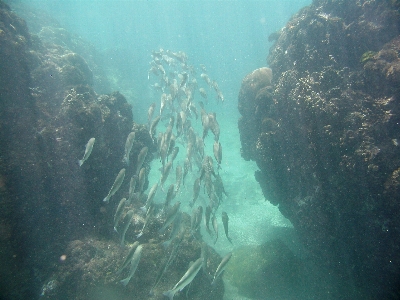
[178, 109]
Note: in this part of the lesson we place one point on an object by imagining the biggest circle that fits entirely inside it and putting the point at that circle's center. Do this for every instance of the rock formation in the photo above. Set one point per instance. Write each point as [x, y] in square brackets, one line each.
[325, 135]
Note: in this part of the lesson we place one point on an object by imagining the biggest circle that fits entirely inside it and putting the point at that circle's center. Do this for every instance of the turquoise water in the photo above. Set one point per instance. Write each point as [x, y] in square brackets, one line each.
[231, 39]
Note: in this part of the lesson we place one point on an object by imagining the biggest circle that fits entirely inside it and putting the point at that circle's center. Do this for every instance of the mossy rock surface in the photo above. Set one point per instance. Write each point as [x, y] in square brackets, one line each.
[264, 271]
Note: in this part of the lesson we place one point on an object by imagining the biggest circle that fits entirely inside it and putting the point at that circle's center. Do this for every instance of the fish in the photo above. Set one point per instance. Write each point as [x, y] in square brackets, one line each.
[118, 213]
[179, 125]
[203, 93]
[153, 126]
[163, 102]
[204, 255]
[116, 185]
[88, 151]
[206, 78]
[217, 149]
[207, 218]
[150, 112]
[186, 278]
[178, 178]
[170, 216]
[128, 218]
[141, 157]
[196, 191]
[148, 216]
[176, 227]
[219, 187]
[200, 146]
[165, 173]
[196, 220]
[134, 263]
[214, 126]
[141, 180]
[225, 220]
[128, 257]
[221, 266]
[186, 167]
[128, 147]
[184, 79]
[132, 185]
[170, 195]
[170, 260]
[150, 197]
[215, 226]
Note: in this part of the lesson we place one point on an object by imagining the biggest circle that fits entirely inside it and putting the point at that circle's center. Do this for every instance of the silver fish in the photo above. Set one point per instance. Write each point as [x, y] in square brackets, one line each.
[153, 126]
[186, 279]
[148, 216]
[221, 266]
[163, 102]
[170, 260]
[142, 179]
[150, 197]
[207, 218]
[134, 263]
[141, 157]
[132, 185]
[203, 93]
[196, 191]
[128, 257]
[118, 213]
[215, 226]
[217, 149]
[170, 195]
[150, 112]
[165, 173]
[116, 185]
[204, 255]
[176, 227]
[196, 220]
[128, 218]
[225, 220]
[170, 217]
[178, 178]
[128, 147]
[88, 151]
[214, 126]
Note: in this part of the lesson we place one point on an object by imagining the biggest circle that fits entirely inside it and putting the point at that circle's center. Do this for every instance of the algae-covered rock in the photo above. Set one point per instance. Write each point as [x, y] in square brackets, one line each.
[264, 271]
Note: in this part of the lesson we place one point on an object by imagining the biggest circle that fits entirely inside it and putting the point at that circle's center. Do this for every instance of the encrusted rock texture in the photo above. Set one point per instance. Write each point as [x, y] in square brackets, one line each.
[325, 133]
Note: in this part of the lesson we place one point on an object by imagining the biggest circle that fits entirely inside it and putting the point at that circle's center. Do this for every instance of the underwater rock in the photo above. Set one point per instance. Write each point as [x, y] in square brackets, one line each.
[326, 142]
[265, 271]
[91, 266]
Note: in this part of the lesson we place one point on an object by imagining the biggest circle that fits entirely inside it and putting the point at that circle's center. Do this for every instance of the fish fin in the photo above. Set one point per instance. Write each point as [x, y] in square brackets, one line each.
[106, 199]
[80, 162]
[170, 294]
[125, 281]
[115, 229]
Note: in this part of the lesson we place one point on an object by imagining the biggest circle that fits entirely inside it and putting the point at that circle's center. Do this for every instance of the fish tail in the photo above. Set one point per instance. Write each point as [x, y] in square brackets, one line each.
[125, 281]
[106, 199]
[169, 294]
[115, 229]
[80, 162]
